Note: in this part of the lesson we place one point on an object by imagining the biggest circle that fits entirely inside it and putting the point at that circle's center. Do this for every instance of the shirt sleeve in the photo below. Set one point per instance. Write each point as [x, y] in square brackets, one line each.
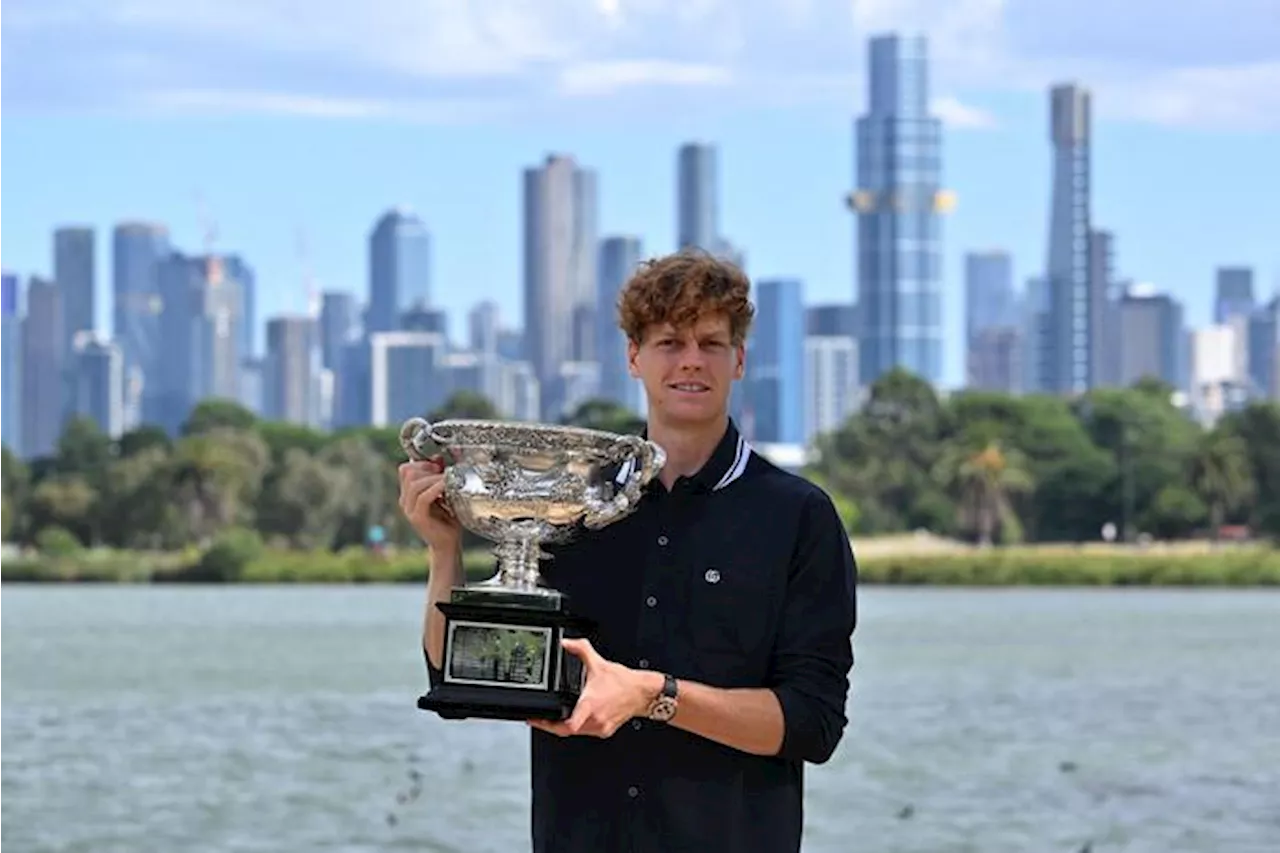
[813, 653]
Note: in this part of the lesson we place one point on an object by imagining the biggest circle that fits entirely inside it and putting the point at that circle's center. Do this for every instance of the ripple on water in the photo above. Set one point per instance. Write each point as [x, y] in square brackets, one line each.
[996, 722]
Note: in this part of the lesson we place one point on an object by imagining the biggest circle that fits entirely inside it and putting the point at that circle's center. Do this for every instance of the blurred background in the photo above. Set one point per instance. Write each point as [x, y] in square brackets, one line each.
[1017, 271]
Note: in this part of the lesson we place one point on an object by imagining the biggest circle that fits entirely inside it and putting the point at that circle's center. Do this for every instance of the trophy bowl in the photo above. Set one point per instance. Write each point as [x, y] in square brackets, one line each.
[521, 486]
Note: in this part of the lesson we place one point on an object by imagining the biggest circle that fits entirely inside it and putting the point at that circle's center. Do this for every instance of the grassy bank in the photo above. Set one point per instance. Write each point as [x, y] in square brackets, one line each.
[1060, 567]
[1043, 566]
[351, 566]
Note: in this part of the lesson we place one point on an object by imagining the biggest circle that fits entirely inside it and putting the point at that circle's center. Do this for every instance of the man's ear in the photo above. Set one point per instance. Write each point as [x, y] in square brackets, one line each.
[740, 368]
[633, 351]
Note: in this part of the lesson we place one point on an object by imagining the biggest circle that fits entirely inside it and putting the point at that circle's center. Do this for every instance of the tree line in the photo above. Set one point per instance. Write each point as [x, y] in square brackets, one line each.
[225, 471]
[974, 465]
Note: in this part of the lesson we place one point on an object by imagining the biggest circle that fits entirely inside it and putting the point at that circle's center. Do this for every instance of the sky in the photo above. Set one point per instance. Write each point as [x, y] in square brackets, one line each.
[284, 128]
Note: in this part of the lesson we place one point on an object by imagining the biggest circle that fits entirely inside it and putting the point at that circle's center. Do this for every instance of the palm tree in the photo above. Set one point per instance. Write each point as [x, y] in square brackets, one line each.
[1221, 474]
[982, 482]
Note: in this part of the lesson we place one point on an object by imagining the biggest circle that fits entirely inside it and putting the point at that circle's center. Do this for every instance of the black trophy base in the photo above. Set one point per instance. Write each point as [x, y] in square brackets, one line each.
[503, 659]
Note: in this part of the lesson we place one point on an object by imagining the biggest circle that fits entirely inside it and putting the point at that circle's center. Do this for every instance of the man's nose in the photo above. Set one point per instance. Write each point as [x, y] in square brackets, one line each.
[692, 357]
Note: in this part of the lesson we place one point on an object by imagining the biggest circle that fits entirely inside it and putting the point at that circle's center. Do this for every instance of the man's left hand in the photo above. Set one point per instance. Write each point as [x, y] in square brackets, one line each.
[613, 695]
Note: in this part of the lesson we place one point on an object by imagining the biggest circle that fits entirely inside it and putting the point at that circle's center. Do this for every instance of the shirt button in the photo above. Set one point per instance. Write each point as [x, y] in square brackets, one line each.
[644, 663]
[637, 725]
[663, 540]
[633, 791]
[651, 601]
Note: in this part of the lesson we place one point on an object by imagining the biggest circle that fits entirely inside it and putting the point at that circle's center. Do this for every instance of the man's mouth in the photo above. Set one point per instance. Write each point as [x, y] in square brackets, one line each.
[690, 387]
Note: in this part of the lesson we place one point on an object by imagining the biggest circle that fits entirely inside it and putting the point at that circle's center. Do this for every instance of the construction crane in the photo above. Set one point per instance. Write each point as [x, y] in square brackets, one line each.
[311, 299]
[209, 231]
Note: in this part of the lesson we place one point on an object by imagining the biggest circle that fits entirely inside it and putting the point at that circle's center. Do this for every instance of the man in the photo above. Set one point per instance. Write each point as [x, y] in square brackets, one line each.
[725, 605]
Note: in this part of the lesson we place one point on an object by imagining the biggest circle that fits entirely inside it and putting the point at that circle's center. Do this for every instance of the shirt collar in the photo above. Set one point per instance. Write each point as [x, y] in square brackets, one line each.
[727, 462]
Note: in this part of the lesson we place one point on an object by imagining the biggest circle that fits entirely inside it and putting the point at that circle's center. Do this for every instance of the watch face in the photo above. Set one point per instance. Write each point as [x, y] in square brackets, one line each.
[664, 709]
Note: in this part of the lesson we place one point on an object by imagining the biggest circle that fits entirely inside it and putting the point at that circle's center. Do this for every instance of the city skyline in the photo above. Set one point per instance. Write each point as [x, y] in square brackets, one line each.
[784, 170]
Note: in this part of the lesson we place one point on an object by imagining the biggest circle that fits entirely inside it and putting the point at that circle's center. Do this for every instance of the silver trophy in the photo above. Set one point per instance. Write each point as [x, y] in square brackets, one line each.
[523, 486]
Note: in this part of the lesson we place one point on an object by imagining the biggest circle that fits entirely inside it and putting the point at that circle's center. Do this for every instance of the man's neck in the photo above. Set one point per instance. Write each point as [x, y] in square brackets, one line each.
[688, 447]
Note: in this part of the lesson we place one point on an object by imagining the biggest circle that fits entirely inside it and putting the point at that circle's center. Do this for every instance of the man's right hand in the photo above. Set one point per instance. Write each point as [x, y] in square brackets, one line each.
[421, 490]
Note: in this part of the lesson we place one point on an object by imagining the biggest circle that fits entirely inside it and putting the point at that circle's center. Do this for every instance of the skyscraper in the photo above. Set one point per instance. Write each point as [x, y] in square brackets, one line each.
[137, 251]
[73, 270]
[898, 203]
[993, 334]
[1263, 341]
[560, 226]
[200, 338]
[399, 269]
[1071, 298]
[1104, 311]
[483, 328]
[338, 327]
[10, 364]
[988, 288]
[288, 381]
[619, 257]
[97, 382]
[775, 363]
[1151, 337]
[235, 267]
[697, 191]
[43, 358]
[1233, 296]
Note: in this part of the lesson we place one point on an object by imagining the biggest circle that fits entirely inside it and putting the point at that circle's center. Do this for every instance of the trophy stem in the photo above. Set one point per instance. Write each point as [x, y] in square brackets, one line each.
[518, 564]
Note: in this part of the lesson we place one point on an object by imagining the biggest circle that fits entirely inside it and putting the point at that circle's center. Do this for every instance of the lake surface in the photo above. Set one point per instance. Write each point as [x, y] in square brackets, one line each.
[282, 718]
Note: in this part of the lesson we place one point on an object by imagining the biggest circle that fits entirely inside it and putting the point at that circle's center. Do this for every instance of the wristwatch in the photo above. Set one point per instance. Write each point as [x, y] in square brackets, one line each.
[664, 706]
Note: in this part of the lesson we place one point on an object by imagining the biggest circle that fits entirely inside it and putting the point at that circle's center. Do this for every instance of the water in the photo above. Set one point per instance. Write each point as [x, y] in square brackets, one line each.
[246, 718]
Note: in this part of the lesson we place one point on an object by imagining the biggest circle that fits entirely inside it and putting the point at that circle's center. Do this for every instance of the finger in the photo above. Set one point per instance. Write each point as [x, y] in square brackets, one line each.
[557, 729]
[425, 475]
[424, 500]
[408, 470]
[580, 719]
[409, 496]
[582, 649]
[419, 484]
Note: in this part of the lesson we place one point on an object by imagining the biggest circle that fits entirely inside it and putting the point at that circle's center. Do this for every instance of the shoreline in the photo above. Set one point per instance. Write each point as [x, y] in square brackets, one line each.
[1230, 566]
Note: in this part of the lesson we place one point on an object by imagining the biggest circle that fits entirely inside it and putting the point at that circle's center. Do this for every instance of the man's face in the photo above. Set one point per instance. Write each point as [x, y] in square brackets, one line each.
[688, 373]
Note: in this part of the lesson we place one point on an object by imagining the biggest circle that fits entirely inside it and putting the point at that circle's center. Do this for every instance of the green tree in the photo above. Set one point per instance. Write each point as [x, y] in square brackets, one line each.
[1221, 476]
[605, 415]
[1258, 427]
[883, 457]
[212, 414]
[143, 438]
[465, 405]
[16, 479]
[981, 482]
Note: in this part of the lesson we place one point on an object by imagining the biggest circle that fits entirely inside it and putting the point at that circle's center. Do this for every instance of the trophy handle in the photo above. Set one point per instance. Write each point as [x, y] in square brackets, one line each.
[645, 460]
[414, 435]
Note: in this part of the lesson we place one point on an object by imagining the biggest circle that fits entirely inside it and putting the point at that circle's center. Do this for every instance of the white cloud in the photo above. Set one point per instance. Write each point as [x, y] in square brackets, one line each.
[1243, 96]
[960, 115]
[603, 78]
[1195, 62]
[219, 102]
[437, 38]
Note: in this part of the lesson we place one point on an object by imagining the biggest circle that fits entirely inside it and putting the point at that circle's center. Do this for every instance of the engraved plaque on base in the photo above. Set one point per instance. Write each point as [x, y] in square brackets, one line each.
[522, 486]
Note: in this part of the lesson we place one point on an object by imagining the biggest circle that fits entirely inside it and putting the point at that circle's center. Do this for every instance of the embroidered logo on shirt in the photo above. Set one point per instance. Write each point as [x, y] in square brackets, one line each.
[712, 576]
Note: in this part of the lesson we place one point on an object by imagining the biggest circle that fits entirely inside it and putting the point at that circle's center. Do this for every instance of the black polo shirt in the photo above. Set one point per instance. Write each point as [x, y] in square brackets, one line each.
[739, 576]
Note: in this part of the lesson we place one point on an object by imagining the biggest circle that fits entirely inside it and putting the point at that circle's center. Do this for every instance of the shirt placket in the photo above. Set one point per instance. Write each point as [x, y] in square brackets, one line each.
[659, 565]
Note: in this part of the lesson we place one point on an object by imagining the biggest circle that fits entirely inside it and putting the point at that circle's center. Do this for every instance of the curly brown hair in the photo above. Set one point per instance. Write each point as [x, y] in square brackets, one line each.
[683, 288]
